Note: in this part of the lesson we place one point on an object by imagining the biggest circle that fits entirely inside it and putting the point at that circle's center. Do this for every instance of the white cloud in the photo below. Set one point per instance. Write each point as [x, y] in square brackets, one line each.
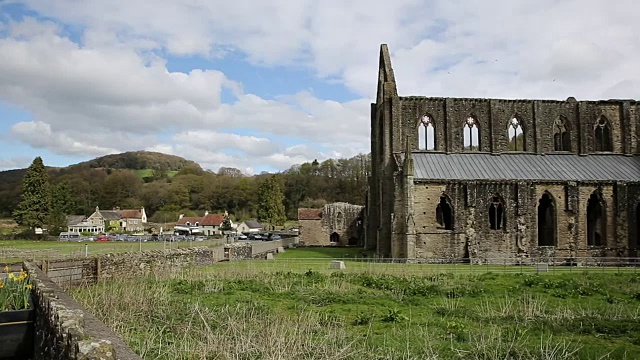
[19, 162]
[112, 91]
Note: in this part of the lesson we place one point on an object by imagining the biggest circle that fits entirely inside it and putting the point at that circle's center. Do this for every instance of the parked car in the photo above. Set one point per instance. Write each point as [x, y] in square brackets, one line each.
[276, 237]
[102, 238]
[258, 237]
[242, 237]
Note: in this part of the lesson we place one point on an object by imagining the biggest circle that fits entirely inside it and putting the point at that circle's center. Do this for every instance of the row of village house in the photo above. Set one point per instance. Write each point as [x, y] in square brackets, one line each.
[135, 221]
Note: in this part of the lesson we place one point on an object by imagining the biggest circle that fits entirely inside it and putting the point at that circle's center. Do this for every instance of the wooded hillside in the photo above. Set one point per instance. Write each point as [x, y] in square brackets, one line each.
[114, 181]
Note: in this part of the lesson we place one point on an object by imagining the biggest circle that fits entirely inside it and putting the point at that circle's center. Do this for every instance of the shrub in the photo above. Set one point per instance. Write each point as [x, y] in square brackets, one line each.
[393, 315]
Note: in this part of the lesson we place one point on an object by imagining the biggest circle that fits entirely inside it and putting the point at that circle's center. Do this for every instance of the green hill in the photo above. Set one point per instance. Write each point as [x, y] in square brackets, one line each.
[139, 160]
[143, 163]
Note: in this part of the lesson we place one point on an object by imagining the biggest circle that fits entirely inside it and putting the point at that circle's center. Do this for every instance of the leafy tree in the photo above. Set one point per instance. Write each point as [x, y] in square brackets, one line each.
[229, 171]
[33, 210]
[159, 172]
[62, 204]
[226, 223]
[154, 196]
[190, 170]
[122, 188]
[271, 202]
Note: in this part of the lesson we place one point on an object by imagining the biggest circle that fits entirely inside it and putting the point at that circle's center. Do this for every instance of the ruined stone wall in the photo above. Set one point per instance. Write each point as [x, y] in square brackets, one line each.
[432, 240]
[632, 208]
[344, 219]
[472, 237]
[64, 330]
[536, 118]
[312, 232]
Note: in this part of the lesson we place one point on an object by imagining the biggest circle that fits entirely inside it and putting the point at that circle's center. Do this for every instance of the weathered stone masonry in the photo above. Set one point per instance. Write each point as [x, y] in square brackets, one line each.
[567, 187]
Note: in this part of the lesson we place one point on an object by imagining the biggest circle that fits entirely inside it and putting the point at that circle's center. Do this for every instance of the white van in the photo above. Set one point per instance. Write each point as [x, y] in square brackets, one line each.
[68, 236]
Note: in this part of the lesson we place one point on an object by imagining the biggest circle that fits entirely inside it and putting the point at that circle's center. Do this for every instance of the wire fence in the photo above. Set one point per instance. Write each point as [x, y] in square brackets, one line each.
[402, 267]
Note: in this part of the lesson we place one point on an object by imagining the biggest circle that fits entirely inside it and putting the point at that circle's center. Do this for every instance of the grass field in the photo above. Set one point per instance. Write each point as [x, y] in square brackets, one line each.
[18, 250]
[259, 310]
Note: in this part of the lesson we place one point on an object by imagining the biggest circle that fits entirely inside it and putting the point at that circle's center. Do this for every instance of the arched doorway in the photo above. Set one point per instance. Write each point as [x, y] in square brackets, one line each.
[444, 214]
[596, 220]
[636, 242]
[546, 221]
[334, 237]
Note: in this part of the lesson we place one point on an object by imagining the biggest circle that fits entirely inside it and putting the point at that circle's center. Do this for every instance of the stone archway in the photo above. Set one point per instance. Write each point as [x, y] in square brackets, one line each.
[547, 221]
[596, 221]
[334, 237]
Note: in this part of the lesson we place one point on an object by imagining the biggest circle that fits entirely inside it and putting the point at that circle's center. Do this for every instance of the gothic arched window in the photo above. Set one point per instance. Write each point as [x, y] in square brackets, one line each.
[516, 135]
[497, 220]
[426, 134]
[561, 137]
[547, 220]
[602, 135]
[596, 220]
[471, 134]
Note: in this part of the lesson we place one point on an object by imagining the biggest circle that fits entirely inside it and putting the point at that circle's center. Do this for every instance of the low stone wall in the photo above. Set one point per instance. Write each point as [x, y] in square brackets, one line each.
[256, 250]
[65, 330]
[91, 269]
[145, 262]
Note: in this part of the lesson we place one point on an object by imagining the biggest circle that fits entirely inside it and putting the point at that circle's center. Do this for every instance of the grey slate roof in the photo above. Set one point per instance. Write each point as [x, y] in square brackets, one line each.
[75, 219]
[110, 214]
[518, 166]
[253, 224]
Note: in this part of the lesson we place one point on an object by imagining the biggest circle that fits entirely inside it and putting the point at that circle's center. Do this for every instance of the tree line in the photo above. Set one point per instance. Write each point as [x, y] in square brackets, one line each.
[47, 197]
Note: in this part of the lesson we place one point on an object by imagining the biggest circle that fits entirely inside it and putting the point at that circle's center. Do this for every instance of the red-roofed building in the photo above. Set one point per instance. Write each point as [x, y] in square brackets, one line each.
[133, 220]
[209, 224]
[309, 214]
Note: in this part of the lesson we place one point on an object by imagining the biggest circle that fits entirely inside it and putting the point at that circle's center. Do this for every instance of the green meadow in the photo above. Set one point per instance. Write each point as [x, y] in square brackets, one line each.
[296, 307]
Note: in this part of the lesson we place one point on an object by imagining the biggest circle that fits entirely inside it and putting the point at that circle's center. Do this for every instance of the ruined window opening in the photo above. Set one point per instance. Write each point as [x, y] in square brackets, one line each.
[602, 135]
[596, 220]
[546, 221]
[444, 213]
[516, 135]
[637, 242]
[497, 219]
[426, 134]
[471, 134]
[334, 237]
[561, 139]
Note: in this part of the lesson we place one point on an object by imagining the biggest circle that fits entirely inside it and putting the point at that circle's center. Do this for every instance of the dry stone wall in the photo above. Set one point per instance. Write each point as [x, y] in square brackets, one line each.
[64, 330]
[98, 267]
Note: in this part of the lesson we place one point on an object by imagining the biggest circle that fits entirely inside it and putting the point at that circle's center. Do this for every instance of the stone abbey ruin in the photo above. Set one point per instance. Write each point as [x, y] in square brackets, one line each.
[493, 180]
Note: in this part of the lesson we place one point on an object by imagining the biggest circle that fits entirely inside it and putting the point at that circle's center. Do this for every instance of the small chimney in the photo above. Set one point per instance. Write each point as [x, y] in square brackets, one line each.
[206, 212]
[181, 216]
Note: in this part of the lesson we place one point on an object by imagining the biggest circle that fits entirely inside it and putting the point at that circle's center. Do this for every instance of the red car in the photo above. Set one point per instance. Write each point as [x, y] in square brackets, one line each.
[102, 238]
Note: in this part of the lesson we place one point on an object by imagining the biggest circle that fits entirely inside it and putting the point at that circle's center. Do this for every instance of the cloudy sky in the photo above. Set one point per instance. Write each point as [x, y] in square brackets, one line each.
[263, 85]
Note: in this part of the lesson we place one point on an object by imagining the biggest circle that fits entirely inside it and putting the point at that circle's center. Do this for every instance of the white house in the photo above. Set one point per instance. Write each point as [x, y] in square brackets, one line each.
[249, 226]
